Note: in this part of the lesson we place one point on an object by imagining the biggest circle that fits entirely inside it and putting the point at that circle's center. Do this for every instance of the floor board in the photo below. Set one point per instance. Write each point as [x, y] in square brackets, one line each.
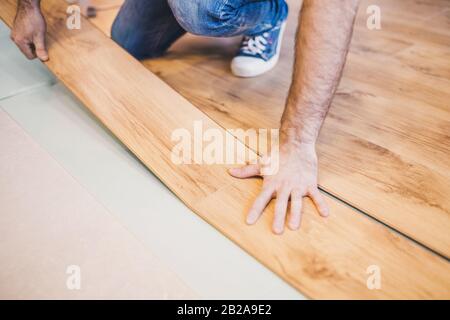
[385, 145]
[388, 127]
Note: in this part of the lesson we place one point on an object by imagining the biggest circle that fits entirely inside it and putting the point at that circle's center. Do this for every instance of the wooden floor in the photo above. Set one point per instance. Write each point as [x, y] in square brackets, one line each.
[327, 258]
[385, 146]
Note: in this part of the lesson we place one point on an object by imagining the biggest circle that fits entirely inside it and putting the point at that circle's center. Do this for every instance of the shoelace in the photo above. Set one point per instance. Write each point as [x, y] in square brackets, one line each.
[255, 45]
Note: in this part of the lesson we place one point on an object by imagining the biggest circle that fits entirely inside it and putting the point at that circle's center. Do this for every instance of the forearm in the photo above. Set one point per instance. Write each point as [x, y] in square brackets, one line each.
[27, 6]
[23, 4]
[322, 43]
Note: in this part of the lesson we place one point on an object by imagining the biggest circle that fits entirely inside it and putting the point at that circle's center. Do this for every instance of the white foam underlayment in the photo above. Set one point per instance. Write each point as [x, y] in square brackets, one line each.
[4, 30]
[50, 225]
[209, 263]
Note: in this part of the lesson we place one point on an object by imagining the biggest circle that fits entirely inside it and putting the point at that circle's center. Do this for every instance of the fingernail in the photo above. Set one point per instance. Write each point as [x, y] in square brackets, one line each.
[277, 230]
[294, 226]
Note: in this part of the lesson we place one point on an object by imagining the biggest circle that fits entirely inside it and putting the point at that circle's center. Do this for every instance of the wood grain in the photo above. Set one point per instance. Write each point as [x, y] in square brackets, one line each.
[106, 11]
[385, 145]
[328, 258]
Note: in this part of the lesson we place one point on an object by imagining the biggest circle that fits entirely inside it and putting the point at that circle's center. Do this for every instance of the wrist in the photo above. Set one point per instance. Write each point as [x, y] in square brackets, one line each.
[295, 146]
[300, 124]
[296, 137]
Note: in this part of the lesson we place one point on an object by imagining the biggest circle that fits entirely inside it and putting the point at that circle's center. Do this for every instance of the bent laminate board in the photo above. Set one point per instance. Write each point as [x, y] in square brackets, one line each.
[385, 145]
[328, 258]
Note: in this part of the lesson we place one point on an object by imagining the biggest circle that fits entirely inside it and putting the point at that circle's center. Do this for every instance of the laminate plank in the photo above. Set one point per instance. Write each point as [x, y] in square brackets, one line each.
[318, 273]
[429, 59]
[103, 20]
[105, 4]
[105, 14]
[385, 144]
[328, 258]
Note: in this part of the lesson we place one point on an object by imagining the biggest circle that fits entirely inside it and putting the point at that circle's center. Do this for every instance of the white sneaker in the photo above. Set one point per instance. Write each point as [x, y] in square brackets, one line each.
[259, 53]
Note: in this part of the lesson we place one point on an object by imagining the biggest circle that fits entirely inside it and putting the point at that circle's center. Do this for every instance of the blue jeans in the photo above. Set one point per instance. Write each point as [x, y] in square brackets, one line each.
[147, 28]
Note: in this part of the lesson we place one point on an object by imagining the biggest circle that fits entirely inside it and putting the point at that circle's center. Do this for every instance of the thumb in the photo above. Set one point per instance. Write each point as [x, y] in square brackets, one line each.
[248, 171]
[39, 44]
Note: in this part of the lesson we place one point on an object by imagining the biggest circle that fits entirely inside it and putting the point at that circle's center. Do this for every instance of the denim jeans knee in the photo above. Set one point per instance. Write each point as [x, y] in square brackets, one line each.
[226, 18]
[204, 17]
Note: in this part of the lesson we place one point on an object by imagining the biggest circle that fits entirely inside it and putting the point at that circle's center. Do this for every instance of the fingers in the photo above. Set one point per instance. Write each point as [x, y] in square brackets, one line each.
[320, 202]
[259, 205]
[248, 171]
[32, 48]
[281, 207]
[280, 211]
[39, 44]
[26, 48]
[296, 210]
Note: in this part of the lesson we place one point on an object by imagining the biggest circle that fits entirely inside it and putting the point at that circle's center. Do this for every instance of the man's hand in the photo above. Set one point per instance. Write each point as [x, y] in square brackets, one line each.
[296, 178]
[322, 44]
[29, 30]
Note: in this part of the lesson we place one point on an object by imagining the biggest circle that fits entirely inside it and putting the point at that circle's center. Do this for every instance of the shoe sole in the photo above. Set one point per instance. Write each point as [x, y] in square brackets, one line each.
[269, 65]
